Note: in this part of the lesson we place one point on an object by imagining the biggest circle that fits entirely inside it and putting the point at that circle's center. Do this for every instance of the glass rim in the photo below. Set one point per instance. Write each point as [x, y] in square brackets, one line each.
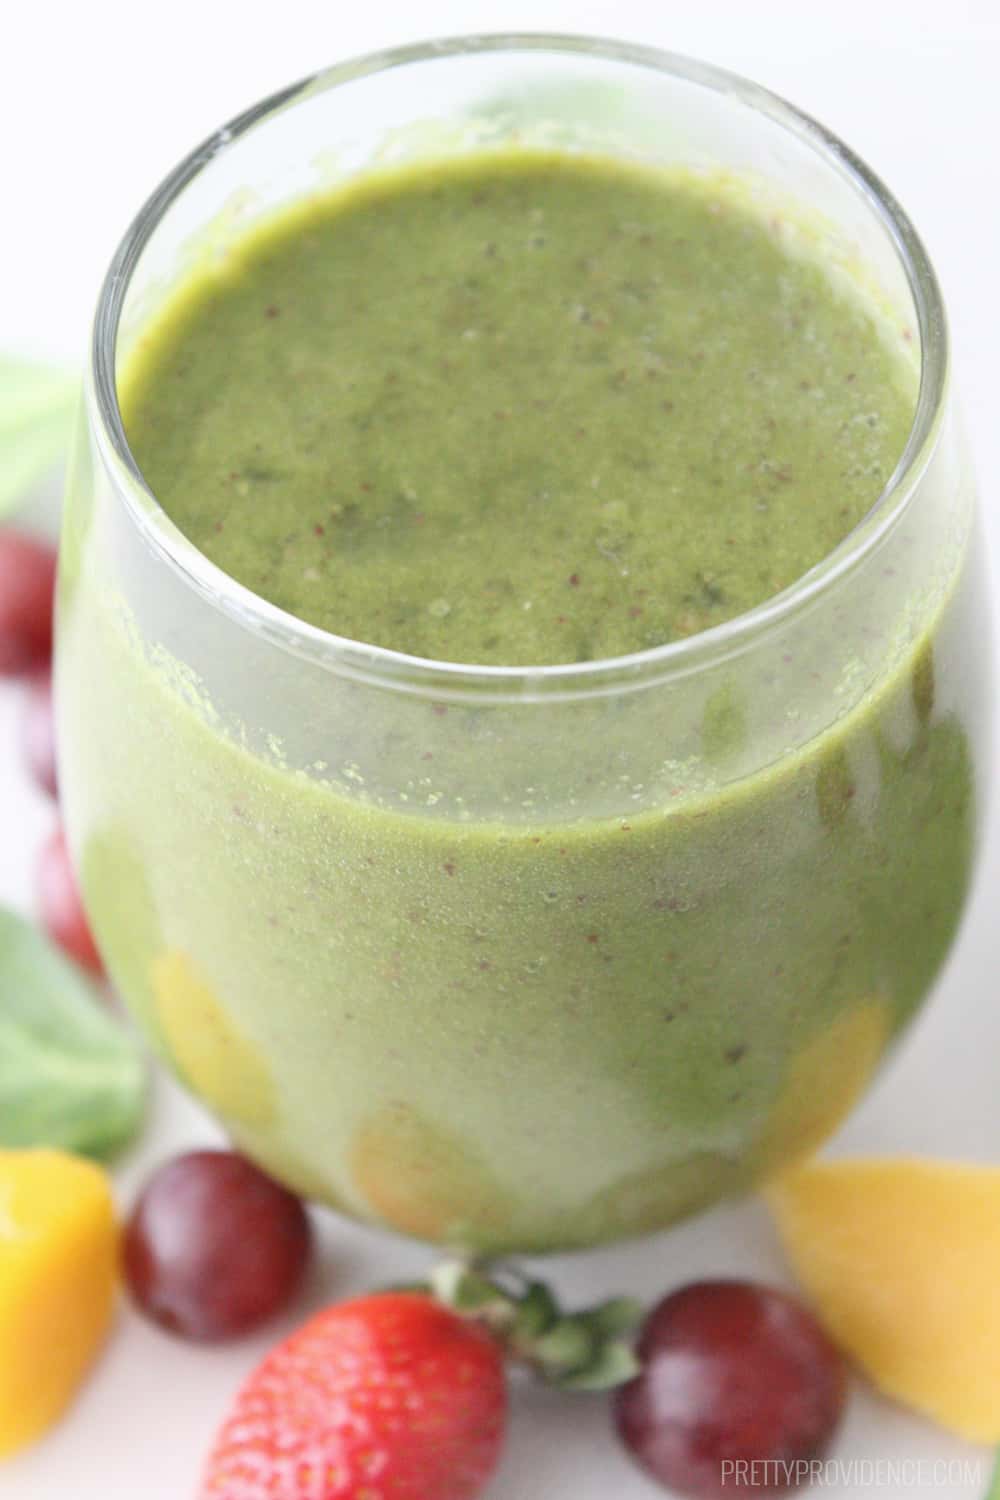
[470, 682]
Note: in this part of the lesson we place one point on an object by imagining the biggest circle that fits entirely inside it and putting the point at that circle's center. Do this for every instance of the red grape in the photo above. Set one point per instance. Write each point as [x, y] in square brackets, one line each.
[38, 733]
[731, 1372]
[27, 588]
[60, 907]
[213, 1247]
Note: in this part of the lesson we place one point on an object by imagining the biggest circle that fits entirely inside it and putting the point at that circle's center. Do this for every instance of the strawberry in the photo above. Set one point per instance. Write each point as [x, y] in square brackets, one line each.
[388, 1397]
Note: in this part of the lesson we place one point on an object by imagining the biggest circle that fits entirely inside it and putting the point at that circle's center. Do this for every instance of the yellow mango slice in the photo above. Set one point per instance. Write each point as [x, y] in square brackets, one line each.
[58, 1268]
[213, 1056]
[822, 1085]
[425, 1181]
[901, 1258]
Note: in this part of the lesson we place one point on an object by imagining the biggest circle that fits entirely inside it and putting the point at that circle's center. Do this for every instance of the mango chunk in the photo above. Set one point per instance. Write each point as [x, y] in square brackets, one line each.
[424, 1180]
[58, 1268]
[901, 1258]
[214, 1058]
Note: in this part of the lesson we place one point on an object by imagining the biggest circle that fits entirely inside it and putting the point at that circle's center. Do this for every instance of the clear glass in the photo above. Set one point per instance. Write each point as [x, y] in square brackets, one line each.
[524, 958]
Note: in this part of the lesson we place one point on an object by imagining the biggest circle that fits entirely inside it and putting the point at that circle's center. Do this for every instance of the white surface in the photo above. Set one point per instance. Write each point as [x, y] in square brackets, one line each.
[96, 102]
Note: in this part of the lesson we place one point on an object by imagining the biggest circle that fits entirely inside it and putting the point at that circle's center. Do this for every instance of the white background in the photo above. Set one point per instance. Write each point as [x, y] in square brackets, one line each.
[97, 101]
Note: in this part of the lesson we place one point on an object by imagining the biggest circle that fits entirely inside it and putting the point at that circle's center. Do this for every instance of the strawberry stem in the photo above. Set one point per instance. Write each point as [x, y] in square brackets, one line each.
[588, 1350]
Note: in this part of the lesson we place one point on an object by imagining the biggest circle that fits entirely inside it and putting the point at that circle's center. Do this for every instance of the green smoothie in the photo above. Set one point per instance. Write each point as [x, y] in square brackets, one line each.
[538, 411]
[431, 960]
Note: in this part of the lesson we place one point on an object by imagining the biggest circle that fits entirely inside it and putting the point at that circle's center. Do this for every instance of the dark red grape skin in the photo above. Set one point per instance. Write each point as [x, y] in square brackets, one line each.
[213, 1247]
[27, 589]
[60, 907]
[38, 733]
[730, 1371]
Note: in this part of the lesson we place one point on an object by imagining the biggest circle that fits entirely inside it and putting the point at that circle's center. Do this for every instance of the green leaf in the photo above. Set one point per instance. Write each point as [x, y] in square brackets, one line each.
[993, 1493]
[612, 1319]
[37, 407]
[70, 1076]
[614, 1365]
[466, 1290]
[570, 1346]
[536, 1313]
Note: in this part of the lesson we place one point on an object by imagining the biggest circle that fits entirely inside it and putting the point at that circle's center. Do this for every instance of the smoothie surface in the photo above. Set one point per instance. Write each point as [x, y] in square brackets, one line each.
[520, 408]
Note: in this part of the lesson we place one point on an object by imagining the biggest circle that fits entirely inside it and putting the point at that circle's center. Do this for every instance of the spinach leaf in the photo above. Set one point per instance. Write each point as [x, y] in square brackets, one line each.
[994, 1490]
[70, 1075]
[37, 406]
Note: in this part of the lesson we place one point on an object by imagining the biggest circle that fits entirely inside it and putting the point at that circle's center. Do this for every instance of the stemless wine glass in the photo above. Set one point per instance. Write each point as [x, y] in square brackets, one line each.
[506, 957]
